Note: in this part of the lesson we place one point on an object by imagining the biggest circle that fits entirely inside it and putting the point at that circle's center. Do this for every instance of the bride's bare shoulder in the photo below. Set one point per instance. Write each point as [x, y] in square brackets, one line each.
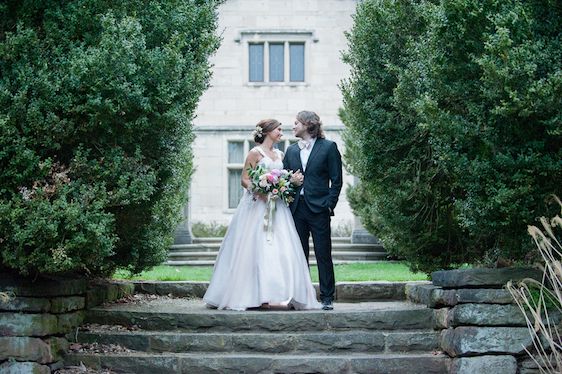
[254, 155]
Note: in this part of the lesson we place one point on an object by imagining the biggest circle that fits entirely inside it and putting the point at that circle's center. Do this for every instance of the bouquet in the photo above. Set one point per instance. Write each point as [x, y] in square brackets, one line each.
[276, 183]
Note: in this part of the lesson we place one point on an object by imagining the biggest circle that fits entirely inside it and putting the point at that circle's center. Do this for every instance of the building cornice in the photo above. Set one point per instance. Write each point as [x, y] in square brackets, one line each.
[258, 33]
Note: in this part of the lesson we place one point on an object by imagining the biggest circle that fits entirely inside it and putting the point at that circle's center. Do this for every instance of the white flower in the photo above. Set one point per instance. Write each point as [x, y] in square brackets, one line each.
[257, 132]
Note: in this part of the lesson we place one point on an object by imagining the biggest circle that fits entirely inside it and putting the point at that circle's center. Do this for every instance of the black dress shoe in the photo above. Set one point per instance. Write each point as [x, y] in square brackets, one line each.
[327, 305]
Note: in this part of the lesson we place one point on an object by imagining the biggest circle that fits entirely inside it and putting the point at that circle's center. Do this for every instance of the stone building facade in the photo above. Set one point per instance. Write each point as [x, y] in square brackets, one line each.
[276, 58]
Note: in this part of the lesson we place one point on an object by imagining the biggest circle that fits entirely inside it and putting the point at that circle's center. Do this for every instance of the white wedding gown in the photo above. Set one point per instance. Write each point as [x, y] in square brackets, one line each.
[250, 270]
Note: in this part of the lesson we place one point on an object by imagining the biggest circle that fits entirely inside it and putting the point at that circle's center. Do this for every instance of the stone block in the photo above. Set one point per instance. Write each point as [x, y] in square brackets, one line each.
[58, 347]
[68, 321]
[361, 291]
[18, 324]
[67, 304]
[182, 289]
[22, 348]
[482, 277]
[125, 289]
[412, 341]
[420, 293]
[178, 289]
[145, 287]
[396, 364]
[471, 341]
[529, 366]
[43, 287]
[441, 318]
[486, 315]
[107, 291]
[131, 340]
[95, 296]
[56, 366]
[26, 304]
[144, 364]
[483, 296]
[14, 367]
[434, 296]
[484, 364]
[441, 297]
[431, 295]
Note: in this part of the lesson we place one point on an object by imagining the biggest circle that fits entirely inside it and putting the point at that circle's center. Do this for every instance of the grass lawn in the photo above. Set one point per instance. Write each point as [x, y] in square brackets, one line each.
[382, 271]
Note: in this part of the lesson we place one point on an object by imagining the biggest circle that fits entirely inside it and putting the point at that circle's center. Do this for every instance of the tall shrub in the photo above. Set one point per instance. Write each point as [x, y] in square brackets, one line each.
[453, 124]
[96, 103]
[492, 73]
[404, 194]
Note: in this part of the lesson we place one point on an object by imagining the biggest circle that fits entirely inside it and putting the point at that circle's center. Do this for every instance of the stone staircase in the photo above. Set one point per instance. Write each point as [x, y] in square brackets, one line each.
[164, 334]
[203, 252]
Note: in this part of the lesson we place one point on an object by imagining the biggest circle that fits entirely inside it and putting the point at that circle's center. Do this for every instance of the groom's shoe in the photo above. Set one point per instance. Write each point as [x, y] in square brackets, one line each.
[327, 305]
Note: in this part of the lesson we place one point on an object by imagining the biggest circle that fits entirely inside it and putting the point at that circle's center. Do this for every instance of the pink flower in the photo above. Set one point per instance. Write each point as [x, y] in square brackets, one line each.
[275, 191]
[273, 179]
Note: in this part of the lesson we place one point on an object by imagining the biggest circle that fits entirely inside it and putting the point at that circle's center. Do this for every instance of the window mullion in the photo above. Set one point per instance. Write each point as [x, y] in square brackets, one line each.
[266, 61]
[287, 62]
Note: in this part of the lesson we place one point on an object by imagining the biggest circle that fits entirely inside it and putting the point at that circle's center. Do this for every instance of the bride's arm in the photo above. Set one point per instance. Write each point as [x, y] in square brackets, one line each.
[251, 161]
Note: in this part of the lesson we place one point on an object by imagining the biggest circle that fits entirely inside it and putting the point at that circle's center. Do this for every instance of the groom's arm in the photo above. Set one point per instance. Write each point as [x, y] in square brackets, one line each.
[285, 162]
[336, 175]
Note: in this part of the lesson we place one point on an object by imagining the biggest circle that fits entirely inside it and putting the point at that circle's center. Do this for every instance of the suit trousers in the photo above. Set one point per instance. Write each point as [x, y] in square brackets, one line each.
[317, 224]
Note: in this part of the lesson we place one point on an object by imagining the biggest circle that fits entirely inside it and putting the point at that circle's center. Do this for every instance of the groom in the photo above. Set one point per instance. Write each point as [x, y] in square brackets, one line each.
[320, 162]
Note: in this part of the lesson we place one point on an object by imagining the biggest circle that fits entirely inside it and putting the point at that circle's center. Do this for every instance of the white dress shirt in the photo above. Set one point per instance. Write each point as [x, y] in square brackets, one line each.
[305, 153]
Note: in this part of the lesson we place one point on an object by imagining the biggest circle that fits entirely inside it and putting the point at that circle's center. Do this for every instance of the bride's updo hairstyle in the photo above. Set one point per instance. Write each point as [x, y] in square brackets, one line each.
[264, 127]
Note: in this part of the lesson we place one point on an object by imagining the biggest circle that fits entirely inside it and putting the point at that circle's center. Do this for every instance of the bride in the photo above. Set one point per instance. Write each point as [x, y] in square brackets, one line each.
[251, 271]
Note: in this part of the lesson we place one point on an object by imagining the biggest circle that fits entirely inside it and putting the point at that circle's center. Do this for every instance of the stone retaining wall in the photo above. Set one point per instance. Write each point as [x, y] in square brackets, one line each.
[482, 329]
[37, 316]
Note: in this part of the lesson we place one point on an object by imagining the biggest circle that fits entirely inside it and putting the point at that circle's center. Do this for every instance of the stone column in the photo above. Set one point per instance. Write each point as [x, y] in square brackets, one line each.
[183, 231]
[360, 235]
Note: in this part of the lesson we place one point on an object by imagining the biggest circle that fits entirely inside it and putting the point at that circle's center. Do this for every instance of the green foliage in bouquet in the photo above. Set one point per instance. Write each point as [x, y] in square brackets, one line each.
[453, 116]
[96, 103]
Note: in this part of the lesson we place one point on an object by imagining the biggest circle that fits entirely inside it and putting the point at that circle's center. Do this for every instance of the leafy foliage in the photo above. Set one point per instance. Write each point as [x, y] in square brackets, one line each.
[454, 124]
[96, 103]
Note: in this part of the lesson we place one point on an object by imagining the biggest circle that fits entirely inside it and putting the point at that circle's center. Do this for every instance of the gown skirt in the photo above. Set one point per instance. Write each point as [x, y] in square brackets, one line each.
[251, 270]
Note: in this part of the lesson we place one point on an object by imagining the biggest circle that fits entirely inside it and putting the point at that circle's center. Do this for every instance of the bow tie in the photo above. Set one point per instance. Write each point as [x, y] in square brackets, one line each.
[304, 144]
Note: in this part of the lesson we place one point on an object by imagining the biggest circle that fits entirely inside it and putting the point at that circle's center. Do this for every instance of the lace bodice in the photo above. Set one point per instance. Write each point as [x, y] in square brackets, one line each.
[268, 163]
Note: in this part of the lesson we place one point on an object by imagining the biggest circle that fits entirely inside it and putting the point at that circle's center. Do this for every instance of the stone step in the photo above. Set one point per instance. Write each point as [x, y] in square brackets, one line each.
[326, 341]
[191, 315]
[196, 240]
[345, 291]
[212, 262]
[212, 255]
[336, 247]
[192, 363]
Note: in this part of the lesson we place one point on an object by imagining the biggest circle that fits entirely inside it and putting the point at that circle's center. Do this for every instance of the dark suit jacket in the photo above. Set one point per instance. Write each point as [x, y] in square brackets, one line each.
[322, 178]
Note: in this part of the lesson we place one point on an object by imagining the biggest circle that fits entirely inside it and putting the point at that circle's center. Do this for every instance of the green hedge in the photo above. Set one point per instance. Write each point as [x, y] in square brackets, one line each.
[454, 124]
[96, 103]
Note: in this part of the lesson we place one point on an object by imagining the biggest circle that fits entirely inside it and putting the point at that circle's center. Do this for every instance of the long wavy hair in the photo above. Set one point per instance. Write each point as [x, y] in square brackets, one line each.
[312, 122]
